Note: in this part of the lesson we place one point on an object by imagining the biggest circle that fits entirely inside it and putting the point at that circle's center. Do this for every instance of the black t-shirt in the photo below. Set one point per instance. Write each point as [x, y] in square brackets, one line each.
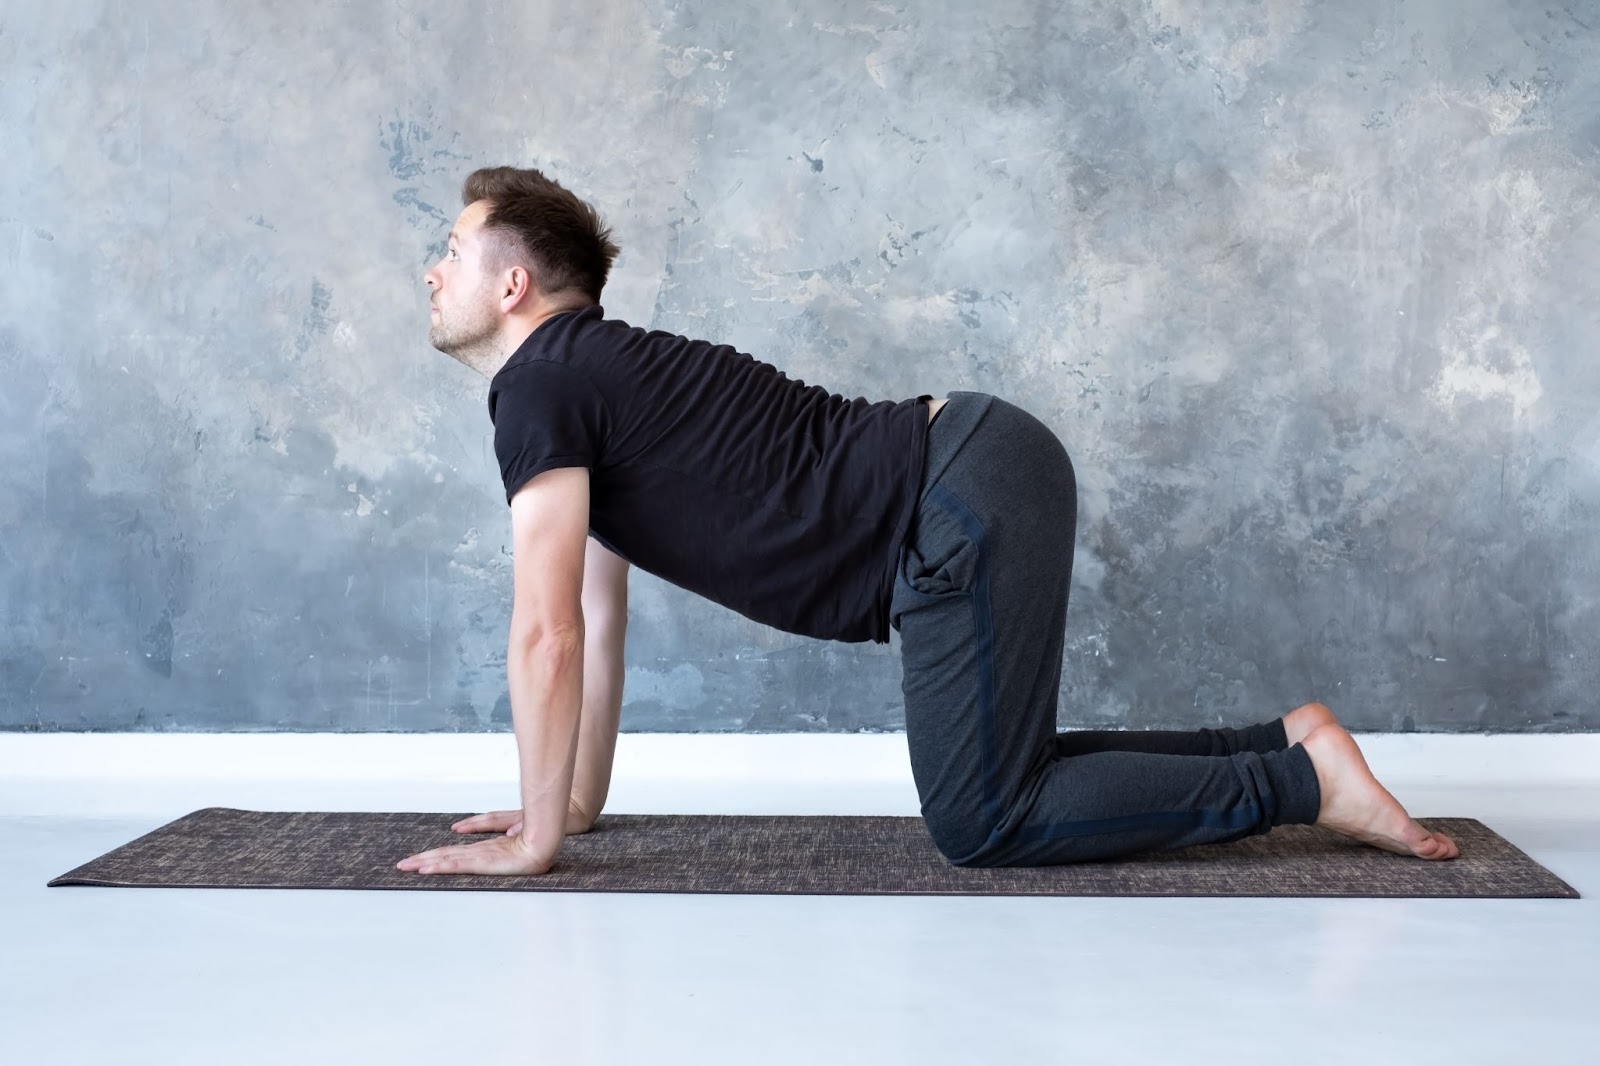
[717, 472]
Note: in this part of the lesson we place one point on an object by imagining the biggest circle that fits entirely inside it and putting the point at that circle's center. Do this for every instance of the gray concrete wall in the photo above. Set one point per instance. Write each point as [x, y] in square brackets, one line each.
[1307, 289]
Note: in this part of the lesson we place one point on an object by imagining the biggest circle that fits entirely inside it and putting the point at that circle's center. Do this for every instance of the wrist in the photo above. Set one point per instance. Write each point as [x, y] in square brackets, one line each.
[541, 825]
[539, 843]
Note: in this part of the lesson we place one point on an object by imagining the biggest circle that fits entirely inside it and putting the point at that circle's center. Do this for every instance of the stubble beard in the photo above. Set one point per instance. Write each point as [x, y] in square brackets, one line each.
[471, 338]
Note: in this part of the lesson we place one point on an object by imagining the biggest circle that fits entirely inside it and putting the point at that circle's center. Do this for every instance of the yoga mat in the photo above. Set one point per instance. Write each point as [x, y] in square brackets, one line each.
[223, 847]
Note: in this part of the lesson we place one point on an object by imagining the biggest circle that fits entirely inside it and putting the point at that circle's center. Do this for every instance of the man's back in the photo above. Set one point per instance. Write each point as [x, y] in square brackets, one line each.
[717, 472]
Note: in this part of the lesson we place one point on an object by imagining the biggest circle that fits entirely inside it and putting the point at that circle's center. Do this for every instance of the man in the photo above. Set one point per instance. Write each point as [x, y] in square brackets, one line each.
[829, 518]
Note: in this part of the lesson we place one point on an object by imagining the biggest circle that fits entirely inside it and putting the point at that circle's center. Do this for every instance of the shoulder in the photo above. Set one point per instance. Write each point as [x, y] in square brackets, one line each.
[538, 382]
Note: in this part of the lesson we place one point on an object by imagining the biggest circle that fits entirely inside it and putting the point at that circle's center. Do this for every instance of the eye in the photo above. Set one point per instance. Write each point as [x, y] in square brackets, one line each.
[453, 255]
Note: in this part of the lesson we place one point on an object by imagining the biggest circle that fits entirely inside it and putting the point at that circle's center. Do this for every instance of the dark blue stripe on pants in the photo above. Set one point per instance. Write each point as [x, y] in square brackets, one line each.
[983, 629]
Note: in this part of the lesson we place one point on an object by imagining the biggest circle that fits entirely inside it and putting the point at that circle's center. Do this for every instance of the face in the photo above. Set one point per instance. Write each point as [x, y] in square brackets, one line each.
[463, 315]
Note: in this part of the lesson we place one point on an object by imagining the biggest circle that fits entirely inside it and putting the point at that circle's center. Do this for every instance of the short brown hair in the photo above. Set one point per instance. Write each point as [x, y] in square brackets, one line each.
[567, 244]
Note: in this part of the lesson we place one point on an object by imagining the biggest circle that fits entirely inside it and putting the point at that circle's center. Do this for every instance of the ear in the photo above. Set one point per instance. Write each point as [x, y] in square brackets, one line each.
[516, 288]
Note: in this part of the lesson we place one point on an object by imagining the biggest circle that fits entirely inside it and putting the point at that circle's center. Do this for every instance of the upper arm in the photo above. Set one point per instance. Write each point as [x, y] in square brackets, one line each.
[605, 584]
[549, 528]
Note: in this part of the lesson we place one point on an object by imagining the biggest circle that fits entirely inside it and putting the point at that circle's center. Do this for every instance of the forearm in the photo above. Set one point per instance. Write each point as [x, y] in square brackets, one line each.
[546, 685]
[602, 713]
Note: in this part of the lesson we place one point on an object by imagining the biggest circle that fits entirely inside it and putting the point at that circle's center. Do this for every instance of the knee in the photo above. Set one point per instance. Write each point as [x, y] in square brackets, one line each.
[958, 836]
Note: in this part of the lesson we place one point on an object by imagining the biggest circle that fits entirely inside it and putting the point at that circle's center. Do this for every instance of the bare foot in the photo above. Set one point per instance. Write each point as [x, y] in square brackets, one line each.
[1355, 805]
[1303, 719]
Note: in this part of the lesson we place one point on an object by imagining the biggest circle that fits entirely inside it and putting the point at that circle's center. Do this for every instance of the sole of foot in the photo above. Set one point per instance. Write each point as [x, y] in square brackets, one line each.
[1355, 805]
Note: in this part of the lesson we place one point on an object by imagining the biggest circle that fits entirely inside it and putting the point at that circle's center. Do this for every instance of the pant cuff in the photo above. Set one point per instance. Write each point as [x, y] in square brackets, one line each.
[1293, 780]
[1263, 737]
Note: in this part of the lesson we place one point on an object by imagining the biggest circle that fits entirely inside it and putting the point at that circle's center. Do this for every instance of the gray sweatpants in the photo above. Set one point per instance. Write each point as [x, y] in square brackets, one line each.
[980, 603]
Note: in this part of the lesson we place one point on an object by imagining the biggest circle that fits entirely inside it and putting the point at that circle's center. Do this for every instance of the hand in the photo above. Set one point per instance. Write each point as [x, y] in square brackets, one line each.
[499, 855]
[510, 822]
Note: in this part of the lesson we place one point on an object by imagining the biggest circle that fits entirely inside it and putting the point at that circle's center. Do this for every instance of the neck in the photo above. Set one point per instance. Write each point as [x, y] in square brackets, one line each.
[514, 332]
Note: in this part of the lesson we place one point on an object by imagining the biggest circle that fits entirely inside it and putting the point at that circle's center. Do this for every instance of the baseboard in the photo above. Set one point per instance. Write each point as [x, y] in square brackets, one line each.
[116, 774]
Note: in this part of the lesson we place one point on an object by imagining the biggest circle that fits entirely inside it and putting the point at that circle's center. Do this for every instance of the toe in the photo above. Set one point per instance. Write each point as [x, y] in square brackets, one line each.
[1437, 846]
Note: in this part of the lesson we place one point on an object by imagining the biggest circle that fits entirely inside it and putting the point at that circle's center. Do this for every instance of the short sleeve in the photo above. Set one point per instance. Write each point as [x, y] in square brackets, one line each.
[545, 414]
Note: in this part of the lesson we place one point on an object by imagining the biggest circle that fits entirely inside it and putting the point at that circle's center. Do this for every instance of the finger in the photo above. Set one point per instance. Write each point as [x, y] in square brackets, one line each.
[435, 862]
[415, 860]
[485, 823]
[483, 857]
[463, 863]
[425, 856]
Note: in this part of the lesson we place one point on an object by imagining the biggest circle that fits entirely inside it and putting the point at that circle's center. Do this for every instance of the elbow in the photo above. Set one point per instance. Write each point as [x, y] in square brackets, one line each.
[555, 640]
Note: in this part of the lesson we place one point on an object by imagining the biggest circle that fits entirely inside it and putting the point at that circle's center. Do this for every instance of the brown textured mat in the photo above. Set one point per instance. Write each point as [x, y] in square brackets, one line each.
[222, 847]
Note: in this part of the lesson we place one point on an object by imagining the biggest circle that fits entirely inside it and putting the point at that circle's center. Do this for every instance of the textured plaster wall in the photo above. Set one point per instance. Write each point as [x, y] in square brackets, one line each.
[1307, 289]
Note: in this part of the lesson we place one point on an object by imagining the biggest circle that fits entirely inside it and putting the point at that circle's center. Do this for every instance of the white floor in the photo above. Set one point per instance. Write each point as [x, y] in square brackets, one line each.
[208, 976]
